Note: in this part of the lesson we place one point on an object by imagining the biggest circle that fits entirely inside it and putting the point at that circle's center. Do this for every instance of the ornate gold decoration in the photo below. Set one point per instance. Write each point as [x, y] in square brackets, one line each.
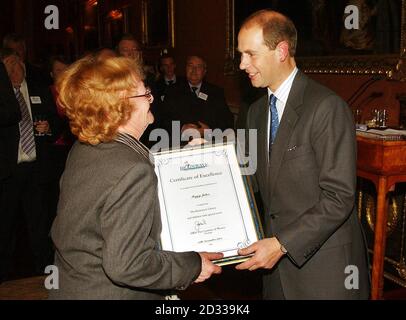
[230, 61]
[371, 65]
[393, 213]
[401, 268]
[359, 201]
[390, 66]
[399, 73]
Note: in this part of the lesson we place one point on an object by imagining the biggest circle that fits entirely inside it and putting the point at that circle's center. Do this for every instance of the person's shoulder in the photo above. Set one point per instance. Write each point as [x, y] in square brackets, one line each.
[210, 87]
[177, 89]
[105, 164]
[37, 75]
[117, 154]
[180, 80]
[160, 81]
[126, 153]
[315, 92]
[259, 103]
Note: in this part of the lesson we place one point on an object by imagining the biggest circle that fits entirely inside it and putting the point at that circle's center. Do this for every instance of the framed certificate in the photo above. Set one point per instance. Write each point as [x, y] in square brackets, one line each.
[206, 204]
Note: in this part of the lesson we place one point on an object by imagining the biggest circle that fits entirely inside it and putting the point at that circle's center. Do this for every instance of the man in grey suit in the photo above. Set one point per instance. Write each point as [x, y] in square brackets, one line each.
[306, 173]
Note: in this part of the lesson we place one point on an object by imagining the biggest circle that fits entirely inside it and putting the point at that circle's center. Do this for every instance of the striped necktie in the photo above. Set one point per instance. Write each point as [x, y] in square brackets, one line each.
[26, 126]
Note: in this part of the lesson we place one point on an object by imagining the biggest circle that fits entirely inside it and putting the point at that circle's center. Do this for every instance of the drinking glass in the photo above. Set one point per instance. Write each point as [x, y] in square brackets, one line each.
[36, 119]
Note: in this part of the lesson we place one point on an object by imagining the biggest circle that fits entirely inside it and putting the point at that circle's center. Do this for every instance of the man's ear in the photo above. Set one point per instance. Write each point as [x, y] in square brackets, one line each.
[282, 50]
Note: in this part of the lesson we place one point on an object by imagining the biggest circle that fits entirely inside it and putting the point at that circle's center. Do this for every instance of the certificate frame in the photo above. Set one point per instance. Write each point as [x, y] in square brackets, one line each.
[214, 223]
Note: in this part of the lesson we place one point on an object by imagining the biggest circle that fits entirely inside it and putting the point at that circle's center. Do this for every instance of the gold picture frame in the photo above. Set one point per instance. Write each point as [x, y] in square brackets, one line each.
[393, 66]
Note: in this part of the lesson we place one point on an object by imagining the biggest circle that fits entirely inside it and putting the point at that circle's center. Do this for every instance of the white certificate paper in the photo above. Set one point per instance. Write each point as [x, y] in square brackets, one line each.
[204, 202]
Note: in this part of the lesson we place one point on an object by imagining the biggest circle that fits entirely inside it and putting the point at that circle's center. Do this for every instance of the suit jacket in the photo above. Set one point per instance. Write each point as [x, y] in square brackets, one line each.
[107, 229]
[308, 190]
[161, 87]
[159, 90]
[182, 104]
[10, 116]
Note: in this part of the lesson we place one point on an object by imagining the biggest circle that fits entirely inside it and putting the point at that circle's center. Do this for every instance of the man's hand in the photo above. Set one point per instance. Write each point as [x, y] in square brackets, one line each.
[200, 127]
[189, 126]
[267, 253]
[197, 142]
[208, 267]
[41, 126]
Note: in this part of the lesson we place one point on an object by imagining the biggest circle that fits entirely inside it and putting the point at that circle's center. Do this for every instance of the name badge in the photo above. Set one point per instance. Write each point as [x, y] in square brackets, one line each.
[35, 100]
[203, 96]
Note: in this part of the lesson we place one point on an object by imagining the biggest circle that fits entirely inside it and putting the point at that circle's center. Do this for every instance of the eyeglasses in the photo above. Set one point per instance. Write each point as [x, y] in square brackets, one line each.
[147, 95]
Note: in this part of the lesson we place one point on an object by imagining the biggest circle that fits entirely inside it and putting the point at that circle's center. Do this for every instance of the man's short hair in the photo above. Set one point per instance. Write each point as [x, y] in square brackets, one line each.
[276, 27]
[166, 56]
[129, 37]
[7, 52]
[197, 56]
[57, 58]
[12, 37]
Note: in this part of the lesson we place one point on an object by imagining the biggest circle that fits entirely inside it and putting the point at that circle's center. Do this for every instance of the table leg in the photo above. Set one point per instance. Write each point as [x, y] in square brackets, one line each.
[380, 240]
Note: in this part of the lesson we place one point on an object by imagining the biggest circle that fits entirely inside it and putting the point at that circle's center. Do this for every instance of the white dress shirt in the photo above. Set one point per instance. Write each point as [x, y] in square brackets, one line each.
[281, 94]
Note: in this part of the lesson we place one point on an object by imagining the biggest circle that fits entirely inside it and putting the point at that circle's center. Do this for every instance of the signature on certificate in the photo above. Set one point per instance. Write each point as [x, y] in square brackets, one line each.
[199, 224]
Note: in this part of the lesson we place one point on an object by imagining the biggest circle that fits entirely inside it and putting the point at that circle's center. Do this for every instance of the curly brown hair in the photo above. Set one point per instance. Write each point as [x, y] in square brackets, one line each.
[91, 92]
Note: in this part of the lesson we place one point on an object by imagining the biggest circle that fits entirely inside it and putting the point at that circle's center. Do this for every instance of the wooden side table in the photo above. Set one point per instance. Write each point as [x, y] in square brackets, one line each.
[383, 162]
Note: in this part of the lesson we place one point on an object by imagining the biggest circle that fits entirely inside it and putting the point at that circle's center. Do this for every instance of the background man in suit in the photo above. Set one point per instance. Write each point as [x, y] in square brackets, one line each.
[23, 162]
[129, 47]
[17, 43]
[306, 172]
[168, 77]
[196, 103]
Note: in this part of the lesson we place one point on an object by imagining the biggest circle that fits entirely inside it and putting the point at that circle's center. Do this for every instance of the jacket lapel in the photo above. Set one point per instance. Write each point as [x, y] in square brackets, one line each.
[287, 125]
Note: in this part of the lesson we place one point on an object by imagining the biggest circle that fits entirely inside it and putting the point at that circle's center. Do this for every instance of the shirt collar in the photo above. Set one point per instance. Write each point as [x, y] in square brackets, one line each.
[173, 79]
[22, 86]
[282, 93]
[197, 86]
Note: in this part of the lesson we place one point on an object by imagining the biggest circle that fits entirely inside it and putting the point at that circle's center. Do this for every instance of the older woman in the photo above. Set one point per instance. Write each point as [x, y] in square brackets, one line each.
[107, 229]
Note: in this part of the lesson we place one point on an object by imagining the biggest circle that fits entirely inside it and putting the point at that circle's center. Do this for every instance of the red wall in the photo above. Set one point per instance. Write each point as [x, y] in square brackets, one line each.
[200, 28]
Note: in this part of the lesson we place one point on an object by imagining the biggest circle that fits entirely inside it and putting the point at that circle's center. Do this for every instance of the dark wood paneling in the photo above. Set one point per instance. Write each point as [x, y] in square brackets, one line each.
[200, 29]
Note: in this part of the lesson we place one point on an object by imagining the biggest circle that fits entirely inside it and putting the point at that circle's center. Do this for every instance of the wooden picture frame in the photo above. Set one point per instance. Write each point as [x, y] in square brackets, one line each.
[158, 18]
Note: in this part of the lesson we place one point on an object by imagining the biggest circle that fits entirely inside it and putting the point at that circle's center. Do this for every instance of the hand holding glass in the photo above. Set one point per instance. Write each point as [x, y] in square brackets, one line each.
[41, 125]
